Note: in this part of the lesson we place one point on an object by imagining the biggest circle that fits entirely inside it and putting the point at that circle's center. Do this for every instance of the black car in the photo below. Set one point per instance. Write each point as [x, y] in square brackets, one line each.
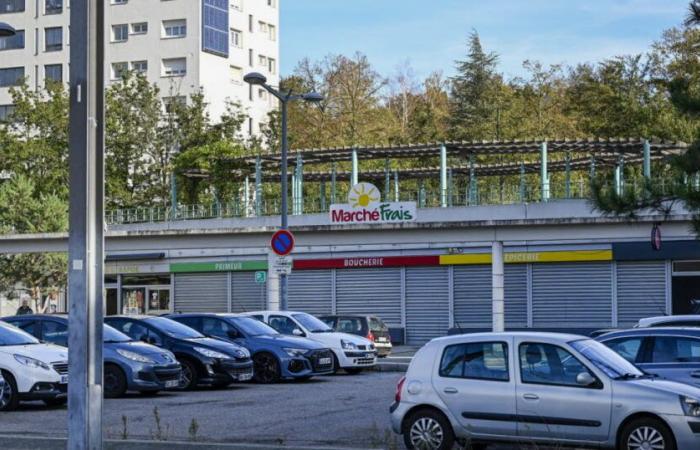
[367, 326]
[205, 361]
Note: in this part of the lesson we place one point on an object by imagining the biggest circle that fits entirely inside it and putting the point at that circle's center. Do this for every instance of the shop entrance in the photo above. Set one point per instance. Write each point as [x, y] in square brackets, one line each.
[150, 294]
[686, 287]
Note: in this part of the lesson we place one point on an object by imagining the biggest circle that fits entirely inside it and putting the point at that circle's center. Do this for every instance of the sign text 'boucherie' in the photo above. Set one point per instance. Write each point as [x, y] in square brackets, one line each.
[365, 206]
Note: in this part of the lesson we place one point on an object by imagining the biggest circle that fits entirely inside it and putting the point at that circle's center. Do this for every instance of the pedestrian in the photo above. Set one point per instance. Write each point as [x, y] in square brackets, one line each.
[24, 309]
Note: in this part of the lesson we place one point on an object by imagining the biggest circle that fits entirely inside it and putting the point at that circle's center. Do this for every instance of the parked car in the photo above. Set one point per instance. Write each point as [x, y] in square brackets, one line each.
[539, 388]
[275, 356]
[367, 326]
[204, 361]
[31, 370]
[128, 365]
[672, 353]
[687, 320]
[351, 353]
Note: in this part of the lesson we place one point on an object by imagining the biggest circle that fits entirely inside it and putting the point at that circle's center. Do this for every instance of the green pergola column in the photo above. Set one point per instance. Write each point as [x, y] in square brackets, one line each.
[443, 176]
[387, 180]
[397, 195]
[647, 160]
[173, 195]
[334, 175]
[473, 185]
[421, 194]
[449, 188]
[323, 196]
[217, 202]
[298, 187]
[246, 197]
[567, 175]
[544, 173]
[522, 182]
[355, 168]
[592, 171]
[258, 186]
[619, 174]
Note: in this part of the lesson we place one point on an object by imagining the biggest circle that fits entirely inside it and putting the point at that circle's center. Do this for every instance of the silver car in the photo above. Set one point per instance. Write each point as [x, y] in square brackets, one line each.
[542, 388]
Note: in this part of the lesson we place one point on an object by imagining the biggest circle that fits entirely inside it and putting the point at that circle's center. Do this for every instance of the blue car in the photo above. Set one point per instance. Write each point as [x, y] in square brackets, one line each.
[671, 353]
[275, 356]
[129, 365]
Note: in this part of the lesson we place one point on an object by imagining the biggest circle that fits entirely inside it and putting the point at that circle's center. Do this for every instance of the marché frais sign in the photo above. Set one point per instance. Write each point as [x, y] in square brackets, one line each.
[365, 206]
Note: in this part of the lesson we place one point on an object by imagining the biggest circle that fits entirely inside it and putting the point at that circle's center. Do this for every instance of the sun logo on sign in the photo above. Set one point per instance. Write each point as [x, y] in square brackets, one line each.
[363, 195]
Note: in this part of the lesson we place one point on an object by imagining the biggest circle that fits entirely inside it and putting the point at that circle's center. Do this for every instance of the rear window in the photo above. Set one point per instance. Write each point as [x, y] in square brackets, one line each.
[352, 325]
[478, 360]
[377, 325]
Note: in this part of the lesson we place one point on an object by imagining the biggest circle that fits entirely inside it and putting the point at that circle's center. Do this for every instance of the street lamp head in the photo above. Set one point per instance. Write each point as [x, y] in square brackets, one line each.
[6, 30]
[313, 97]
[255, 78]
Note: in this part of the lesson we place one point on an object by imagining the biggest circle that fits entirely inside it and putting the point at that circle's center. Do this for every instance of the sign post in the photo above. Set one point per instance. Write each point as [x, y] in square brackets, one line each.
[280, 265]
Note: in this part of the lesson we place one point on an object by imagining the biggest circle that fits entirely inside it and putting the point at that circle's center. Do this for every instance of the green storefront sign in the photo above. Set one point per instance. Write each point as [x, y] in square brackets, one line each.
[220, 266]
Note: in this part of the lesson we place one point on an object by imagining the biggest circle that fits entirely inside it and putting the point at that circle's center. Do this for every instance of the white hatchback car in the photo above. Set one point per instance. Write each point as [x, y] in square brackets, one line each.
[539, 388]
[352, 353]
[31, 370]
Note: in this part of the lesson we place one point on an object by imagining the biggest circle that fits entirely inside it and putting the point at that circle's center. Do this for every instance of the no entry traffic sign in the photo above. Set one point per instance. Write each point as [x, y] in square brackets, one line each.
[282, 242]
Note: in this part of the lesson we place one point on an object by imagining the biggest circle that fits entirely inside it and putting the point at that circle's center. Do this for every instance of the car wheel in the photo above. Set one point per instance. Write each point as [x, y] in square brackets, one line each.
[9, 398]
[188, 376]
[428, 430]
[266, 369]
[55, 401]
[646, 434]
[353, 370]
[115, 384]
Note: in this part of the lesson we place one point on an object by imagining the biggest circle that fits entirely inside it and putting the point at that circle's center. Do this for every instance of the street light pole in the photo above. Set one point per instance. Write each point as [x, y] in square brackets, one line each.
[258, 79]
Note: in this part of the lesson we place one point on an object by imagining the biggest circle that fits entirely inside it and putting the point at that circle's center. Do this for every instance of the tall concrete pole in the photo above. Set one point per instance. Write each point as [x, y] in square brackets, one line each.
[86, 224]
[443, 176]
[544, 172]
[355, 168]
[283, 187]
[647, 160]
[497, 271]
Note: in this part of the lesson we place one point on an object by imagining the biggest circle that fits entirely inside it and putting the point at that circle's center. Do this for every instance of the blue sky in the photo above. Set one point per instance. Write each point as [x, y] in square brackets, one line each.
[433, 34]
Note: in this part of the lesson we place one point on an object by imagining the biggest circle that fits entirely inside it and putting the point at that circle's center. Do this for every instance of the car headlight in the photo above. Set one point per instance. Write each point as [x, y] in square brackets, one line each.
[347, 345]
[135, 356]
[295, 352]
[211, 353]
[31, 362]
[691, 406]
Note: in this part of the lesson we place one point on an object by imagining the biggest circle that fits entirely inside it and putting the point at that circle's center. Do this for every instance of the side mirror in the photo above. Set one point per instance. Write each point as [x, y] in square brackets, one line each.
[585, 379]
[297, 332]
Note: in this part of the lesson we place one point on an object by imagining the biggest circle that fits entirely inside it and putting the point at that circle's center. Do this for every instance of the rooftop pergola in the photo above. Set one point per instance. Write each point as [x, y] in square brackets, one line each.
[462, 158]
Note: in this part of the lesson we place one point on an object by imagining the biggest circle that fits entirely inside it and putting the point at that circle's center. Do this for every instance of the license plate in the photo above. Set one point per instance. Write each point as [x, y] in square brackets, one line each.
[369, 355]
[64, 379]
[172, 383]
[245, 377]
[324, 361]
[381, 339]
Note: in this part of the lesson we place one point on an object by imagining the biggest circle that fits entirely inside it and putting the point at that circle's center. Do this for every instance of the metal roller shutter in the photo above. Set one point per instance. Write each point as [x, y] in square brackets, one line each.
[370, 291]
[201, 292]
[572, 295]
[311, 291]
[472, 296]
[641, 291]
[427, 303]
[246, 294]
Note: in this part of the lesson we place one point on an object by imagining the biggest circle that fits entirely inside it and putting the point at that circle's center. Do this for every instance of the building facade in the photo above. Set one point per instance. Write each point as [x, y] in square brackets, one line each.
[181, 45]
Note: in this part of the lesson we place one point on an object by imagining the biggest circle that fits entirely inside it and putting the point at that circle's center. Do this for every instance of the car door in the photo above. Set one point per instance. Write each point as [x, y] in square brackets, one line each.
[284, 325]
[674, 357]
[475, 381]
[30, 326]
[54, 332]
[221, 329]
[551, 404]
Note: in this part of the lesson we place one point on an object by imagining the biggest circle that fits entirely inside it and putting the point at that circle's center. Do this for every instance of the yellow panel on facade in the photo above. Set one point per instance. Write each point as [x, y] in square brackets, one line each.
[529, 257]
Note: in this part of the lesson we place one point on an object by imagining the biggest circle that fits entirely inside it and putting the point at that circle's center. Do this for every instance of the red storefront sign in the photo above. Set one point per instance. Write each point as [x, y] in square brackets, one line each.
[367, 261]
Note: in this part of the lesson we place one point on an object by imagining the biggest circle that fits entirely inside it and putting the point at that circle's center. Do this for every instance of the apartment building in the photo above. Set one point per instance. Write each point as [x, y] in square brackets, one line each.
[181, 45]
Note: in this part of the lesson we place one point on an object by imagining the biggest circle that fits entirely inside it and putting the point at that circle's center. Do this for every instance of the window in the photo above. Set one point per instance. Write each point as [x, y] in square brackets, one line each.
[55, 333]
[283, 324]
[28, 327]
[237, 4]
[250, 57]
[350, 325]
[13, 42]
[175, 28]
[120, 33]
[11, 76]
[236, 75]
[262, 60]
[139, 66]
[272, 3]
[134, 330]
[670, 349]
[53, 38]
[272, 32]
[53, 72]
[5, 112]
[271, 65]
[139, 28]
[119, 2]
[11, 6]
[236, 38]
[217, 328]
[53, 6]
[628, 348]
[549, 364]
[479, 360]
[174, 67]
[215, 27]
[262, 27]
[262, 94]
[119, 69]
[250, 23]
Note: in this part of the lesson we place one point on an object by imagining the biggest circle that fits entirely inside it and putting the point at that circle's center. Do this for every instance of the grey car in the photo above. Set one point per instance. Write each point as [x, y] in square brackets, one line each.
[672, 353]
[687, 320]
[543, 388]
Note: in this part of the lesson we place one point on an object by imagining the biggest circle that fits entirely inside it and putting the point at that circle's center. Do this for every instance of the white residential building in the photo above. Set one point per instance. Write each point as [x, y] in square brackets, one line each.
[181, 45]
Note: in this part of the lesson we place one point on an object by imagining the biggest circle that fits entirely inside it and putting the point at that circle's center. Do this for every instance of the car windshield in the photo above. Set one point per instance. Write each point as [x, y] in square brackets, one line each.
[111, 335]
[311, 323]
[174, 329]
[10, 335]
[605, 359]
[252, 327]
